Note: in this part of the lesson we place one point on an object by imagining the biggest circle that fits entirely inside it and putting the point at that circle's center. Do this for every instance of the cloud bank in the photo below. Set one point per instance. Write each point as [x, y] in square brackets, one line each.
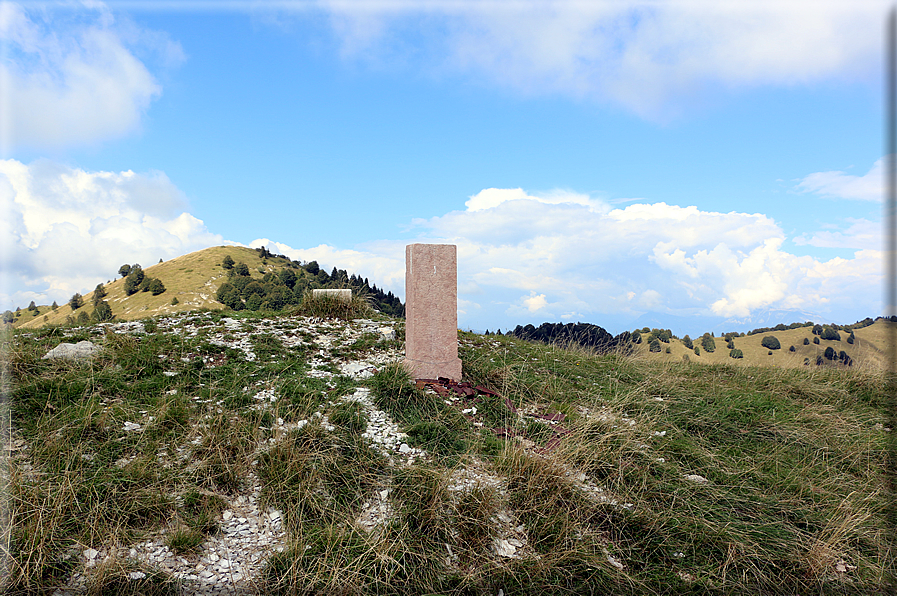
[64, 230]
[652, 58]
[71, 76]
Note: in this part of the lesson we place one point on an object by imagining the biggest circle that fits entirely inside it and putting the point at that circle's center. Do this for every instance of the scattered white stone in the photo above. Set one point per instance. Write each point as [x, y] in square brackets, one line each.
[67, 351]
[137, 575]
[695, 478]
[90, 554]
[615, 562]
[129, 426]
[503, 548]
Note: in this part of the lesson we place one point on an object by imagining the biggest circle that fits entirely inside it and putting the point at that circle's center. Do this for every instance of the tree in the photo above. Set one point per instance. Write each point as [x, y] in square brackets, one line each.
[32, 306]
[806, 341]
[133, 280]
[816, 340]
[829, 353]
[845, 359]
[312, 267]
[817, 329]
[54, 306]
[99, 293]
[736, 353]
[792, 349]
[156, 286]
[707, 343]
[771, 342]
[654, 346]
[254, 302]
[697, 351]
[288, 278]
[8, 317]
[851, 338]
[228, 262]
[686, 341]
[82, 317]
[830, 333]
[124, 270]
[242, 269]
[102, 312]
[76, 301]
[636, 337]
[174, 301]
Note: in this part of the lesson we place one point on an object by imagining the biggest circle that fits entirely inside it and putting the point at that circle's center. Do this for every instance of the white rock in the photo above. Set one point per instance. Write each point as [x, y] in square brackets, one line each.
[503, 548]
[91, 554]
[136, 575]
[404, 448]
[695, 478]
[66, 351]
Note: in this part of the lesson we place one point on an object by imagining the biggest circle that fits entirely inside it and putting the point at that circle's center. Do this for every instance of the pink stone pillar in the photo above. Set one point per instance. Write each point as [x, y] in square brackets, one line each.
[431, 311]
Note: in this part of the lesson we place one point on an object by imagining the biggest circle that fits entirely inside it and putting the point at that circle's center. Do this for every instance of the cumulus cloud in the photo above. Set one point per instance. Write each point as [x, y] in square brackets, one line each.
[838, 185]
[524, 258]
[650, 57]
[860, 234]
[64, 229]
[72, 77]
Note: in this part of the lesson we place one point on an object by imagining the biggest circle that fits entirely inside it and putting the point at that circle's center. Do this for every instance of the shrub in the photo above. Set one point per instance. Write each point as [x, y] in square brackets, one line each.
[830, 333]
[227, 262]
[806, 341]
[83, 318]
[133, 280]
[99, 293]
[816, 340]
[102, 312]
[654, 346]
[312, 267]
[124, 270]
[769, 353]
[771, 342]
[817, 329]
[792, 349]
[736, 353]
[697, 351]
[636, 337]
[851, 338]
[8, 317]
[76, 301]
[174, 301]
[829, 353]
[668, 351]
[686, 341]
[707, 343]
[845, 359]
[156, 286]
[819, 361]
[242, 269]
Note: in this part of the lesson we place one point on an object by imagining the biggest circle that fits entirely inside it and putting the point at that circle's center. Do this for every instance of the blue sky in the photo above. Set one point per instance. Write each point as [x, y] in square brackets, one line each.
[593, 161]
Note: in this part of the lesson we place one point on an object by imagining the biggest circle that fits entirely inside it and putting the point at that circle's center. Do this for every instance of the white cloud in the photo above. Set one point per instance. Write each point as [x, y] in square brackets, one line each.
[535, 303]
[64, 229]
[837, 184]
[71, 77]
[860, 234]
[651, 57]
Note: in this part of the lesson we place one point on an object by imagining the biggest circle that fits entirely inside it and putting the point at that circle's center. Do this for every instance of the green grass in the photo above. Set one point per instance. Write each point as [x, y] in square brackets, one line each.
[794, 460]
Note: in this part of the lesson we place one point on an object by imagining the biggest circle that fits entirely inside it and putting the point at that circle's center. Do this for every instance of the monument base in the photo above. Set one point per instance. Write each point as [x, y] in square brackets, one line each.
[420, 369]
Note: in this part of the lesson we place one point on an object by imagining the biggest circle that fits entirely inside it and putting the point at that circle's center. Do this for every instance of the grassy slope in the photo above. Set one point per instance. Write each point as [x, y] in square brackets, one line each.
[793, 459]
[866, 351]
[192, 278]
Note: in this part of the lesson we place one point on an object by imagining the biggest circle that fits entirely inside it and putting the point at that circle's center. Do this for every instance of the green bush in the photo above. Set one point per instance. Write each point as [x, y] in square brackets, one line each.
[156, 286]
[76, 301]
[654, 346]
[686, 341]
[771, 342]
[830, 334]
[806, 341]
[736, 353]
[124, 270]
[98, 294]
[707, 343]
[227, 262]
[816, 340]
[133, 280]
[829, 353]
[102, 312]
[697, 351]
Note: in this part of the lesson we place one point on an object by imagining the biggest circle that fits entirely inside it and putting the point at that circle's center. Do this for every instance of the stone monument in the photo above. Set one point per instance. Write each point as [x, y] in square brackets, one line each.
[431, 311]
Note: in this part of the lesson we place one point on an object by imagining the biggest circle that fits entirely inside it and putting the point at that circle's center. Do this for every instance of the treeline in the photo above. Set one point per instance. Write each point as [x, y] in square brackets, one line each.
[583, 334]
[276, 291]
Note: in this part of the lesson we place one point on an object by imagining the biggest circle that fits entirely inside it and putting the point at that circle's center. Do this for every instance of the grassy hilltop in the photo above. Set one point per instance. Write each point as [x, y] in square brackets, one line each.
[192, 281]
[604, 474]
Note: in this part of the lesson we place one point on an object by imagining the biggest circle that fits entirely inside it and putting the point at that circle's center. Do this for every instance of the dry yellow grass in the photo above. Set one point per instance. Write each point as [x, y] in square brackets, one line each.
[867, 351]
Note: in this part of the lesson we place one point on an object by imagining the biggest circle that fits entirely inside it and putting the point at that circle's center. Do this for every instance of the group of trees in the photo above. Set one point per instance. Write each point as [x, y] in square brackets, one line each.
[583, 334]
[277, 290]
[137, 281]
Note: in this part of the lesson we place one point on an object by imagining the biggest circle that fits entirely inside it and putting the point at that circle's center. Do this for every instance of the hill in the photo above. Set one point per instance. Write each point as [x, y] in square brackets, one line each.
[867, 350]
[260, 454]
[192, 282]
